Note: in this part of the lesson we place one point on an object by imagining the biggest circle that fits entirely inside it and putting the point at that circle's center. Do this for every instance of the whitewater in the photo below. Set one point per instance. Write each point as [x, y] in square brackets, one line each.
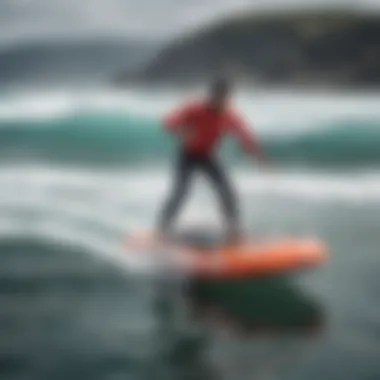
[81, 170]
[89, 167]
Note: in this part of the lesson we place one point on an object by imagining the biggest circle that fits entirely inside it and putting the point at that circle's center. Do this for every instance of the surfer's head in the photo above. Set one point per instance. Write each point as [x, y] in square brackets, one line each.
[220, 92]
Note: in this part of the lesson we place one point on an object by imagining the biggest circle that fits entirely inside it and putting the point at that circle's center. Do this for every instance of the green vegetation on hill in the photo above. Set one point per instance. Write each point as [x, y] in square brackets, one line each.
[312, 49]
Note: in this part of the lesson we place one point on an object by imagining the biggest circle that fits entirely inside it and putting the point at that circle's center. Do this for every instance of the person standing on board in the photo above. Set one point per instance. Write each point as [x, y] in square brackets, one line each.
[200, 126]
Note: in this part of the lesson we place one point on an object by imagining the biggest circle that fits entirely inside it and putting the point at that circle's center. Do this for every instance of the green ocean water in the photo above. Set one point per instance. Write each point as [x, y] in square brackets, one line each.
[77, 178]
[107, 138]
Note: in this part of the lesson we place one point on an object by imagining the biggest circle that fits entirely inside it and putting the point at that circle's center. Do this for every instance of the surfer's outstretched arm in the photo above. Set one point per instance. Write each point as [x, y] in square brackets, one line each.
[240, 129]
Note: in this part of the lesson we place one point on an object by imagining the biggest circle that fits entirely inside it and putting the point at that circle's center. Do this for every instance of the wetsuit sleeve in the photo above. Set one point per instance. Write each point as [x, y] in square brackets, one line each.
[177, 120]
[240, 129]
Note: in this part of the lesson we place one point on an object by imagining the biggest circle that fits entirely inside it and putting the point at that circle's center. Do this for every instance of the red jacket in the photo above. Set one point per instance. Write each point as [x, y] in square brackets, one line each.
[205, 127]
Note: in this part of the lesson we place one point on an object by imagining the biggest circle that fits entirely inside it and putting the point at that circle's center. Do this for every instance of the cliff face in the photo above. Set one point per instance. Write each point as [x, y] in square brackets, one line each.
[334, 49]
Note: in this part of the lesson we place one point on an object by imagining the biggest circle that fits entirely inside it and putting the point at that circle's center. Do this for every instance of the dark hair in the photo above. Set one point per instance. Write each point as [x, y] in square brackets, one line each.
[221, 85]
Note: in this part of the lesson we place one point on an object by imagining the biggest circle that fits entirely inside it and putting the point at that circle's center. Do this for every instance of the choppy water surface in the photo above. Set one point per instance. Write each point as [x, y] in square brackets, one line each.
[79, 173]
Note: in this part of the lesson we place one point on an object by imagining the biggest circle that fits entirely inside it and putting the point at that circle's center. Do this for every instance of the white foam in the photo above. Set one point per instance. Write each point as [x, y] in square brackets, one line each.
[96, 210]
[332, 187]
[93, 243]
[119, 189]
[281, 112]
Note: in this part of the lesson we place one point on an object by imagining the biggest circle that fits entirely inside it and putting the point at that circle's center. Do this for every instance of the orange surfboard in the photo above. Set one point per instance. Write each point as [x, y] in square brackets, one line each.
[246, 259]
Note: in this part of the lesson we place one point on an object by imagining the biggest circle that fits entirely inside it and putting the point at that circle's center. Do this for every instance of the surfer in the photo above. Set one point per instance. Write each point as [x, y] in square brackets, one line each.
[200, 126]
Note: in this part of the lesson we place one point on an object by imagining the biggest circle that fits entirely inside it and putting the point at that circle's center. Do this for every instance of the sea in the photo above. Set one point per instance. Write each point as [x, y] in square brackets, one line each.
[84, 168]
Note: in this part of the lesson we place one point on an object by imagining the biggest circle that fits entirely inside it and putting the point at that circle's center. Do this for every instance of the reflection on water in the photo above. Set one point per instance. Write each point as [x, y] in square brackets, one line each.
[64, 314]
[239, 329]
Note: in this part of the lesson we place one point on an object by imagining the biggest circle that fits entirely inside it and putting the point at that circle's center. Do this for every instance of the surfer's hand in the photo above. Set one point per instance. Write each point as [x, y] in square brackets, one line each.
[264, 163]
[267, 166]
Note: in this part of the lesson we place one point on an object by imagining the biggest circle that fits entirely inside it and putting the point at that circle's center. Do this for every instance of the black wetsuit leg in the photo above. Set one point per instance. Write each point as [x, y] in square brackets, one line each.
[185, 167]
[225, 191]
[184, 170]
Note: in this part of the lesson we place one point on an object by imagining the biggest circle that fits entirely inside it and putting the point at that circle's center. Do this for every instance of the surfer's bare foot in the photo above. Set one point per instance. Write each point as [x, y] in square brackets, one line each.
[164, 235]
[234, 237]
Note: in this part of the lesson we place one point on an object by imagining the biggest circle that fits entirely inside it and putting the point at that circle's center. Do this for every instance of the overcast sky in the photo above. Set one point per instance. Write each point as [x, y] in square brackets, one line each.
[35, 19]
